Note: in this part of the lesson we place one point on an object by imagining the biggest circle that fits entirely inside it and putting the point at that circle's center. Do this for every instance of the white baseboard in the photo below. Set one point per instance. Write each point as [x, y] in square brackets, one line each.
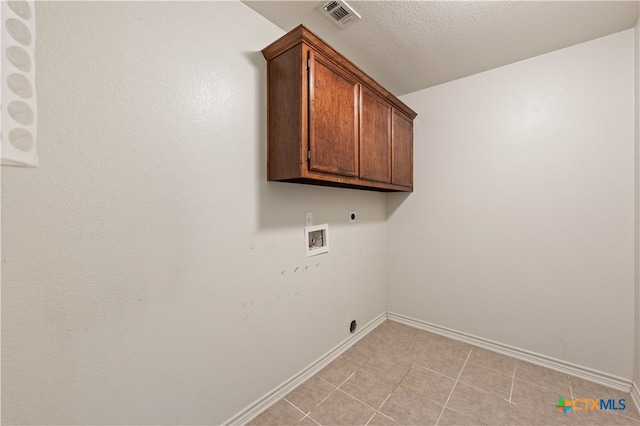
[252, 411]
[581, 372]
[635, 394]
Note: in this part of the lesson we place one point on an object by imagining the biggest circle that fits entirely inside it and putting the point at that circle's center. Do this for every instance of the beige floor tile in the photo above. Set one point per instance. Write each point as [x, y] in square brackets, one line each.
[495, 361]
[371, 340]
[398, 337]
[341, 409]
[454, 418]
[441, 363]
[391, 367]
[307, 421]
[426, 365]
[408, 408]
[415, 349]
[408, 350]
[524, 415]
[394, 332]
[397, 327]
[477, 404]
[597, 417]
[338, 371]
[417, 335]
[281, 413]
[368, 387]
[631, 409]
[380, 331]
[381, 420]
[542, 376]
[451, 348]
[362, 351]
[428, 384]
[487, 379]
[542, 399]
[309, 394]
[585, 389]
[424, 337]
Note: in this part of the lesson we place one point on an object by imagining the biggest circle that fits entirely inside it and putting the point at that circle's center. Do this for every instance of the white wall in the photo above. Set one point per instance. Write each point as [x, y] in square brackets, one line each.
[521, 226]
[150, 273]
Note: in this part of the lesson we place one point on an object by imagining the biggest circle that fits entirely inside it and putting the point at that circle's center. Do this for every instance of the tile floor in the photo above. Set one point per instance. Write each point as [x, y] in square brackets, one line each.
[399, 375]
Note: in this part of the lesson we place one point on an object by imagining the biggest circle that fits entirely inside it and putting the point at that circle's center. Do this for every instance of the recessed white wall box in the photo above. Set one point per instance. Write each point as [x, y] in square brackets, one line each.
[316, 239]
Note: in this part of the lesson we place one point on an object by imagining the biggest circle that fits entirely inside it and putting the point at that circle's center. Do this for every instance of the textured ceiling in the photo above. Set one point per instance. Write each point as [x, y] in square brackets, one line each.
[410, 45]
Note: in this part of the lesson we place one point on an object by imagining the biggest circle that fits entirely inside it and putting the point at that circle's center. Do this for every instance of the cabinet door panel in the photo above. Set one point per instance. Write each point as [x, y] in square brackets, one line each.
[333, 118]
[375, 138]
[402, 150]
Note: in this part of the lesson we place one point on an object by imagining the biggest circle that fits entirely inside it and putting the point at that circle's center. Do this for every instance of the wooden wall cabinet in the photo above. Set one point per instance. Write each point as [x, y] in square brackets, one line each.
[331, 124]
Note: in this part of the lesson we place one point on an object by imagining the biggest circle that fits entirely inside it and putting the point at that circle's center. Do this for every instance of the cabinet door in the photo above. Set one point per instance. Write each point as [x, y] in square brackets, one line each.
[375, 137]
[402, 150]
[333, 118]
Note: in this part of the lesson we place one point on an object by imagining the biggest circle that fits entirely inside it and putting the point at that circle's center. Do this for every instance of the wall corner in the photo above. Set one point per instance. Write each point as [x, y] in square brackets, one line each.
[636, 375]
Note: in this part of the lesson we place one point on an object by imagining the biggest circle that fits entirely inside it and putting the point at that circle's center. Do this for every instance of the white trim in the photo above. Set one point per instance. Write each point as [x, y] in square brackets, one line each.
[255, 409]
[581, 372]
[635, 394]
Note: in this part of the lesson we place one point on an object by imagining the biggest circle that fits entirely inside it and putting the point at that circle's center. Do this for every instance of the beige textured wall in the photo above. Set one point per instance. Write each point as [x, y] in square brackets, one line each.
[521, 229]
[150, 273]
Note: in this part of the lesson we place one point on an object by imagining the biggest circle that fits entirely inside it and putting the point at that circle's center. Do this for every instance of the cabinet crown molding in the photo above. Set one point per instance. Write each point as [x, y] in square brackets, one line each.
[301, 34]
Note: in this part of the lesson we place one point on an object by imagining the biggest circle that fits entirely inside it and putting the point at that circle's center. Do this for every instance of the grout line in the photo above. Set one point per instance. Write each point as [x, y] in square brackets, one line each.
[335, 388]
[370, 406]
[493, 392]
[571, 389]
[383, 414]
[454, 386]
[385, 400]
[571, 394]
[438, 373]
[489, 368]
[310, 418]
[513, 383]
[296, 407]
[327, 397]
[347, 379]
[357, 399]
[398, 385]
[370, 418]
[377, 410]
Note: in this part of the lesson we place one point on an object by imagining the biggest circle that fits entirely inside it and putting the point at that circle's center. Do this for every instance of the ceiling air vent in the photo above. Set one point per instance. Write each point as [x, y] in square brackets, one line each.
[339, 12]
